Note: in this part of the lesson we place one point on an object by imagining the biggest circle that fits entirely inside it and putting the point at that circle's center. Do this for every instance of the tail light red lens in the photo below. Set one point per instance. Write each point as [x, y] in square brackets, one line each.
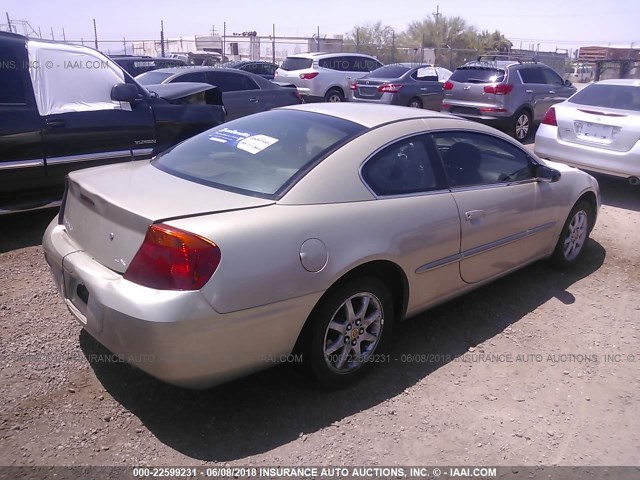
[353, 86]
[499, 89]
[172, 259]
[550, 118]
[389, 88]
[308, 76]
[447, 85]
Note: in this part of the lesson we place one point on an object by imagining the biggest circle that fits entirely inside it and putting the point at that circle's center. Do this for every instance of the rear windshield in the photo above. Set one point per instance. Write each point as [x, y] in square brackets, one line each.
[477, 75]
[624, 97]
[152, 78]
[389, 71]
[259, 155]
[296, 63]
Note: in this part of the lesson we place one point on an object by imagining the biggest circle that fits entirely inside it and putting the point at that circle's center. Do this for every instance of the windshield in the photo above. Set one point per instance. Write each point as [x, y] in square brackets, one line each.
[623, 97]
[477, 75]
[152, 78]
[259, 155]
[296, 63]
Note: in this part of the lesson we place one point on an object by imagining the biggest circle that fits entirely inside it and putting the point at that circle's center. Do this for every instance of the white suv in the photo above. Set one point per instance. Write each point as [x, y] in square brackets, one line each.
[325, 76]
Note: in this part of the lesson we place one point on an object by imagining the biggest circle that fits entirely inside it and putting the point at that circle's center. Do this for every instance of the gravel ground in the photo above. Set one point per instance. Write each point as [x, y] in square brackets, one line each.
[514, 373]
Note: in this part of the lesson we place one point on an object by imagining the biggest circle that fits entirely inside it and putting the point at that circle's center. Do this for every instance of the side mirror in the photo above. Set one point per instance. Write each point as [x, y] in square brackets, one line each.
[547, 174]
[567, 83]
[124, 92]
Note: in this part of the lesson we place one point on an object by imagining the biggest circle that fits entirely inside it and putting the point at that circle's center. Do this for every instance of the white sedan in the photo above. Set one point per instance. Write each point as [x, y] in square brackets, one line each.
[597, 129]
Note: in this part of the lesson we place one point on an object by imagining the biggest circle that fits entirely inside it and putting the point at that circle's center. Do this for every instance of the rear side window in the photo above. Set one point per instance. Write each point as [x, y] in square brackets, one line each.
[342, 64]
[401, 168]
[624, 97]
[192, 77]
[259, 155]
[296, 63]
[231, 82]
[477, 75]
[11, 75]
[532, 75]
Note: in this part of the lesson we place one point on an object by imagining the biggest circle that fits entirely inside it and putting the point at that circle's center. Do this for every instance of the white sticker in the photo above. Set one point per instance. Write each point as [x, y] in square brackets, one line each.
[256, 143]
[427, 72]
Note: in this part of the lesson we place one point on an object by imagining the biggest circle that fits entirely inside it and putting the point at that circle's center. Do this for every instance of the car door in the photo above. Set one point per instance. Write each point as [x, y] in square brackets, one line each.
[428, 88]
[506, 215]
[83, 126]
[22, 170]
[408, 177]
[536, 90]
[241, 94]
[558, 91]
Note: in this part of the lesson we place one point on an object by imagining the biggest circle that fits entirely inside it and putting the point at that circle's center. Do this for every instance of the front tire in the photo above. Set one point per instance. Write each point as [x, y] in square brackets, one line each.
[348, 328]
[334, 96]
[574, 236]
[521, 125]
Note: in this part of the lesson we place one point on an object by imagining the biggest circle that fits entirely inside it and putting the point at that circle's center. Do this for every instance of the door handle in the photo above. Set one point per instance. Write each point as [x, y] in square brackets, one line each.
[254, 100]
[529, 91]
[472, 215]
[55, 122]
[552, 91]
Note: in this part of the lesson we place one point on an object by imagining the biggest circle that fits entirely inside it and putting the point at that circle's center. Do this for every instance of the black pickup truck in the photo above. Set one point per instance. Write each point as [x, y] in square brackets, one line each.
[65, 107]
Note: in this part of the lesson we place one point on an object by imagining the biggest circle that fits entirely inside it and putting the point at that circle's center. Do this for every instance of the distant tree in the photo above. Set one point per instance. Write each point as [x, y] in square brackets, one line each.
[493, 42]
[374, 39]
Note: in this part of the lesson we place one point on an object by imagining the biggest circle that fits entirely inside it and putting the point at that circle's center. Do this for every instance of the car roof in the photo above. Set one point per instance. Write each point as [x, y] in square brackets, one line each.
[631, 82]
[327, 54]
[366, 114]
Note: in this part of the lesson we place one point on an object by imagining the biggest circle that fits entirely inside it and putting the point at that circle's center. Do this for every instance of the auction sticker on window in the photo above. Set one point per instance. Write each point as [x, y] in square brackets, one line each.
[256, 143]
[229, 136]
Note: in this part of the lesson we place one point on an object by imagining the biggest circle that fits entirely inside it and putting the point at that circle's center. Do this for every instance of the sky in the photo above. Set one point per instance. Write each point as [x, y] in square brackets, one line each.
[550, 23]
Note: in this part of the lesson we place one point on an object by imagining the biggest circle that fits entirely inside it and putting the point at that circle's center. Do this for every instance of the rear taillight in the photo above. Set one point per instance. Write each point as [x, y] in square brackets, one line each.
[499, 89]
[389, 88]
[447, 85]
[353, 86]
[550, 118]
[308, 76]
[172, 259]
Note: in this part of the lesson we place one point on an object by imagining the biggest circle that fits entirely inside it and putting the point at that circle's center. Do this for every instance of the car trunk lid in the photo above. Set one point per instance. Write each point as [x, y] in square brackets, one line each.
[606, 128]
[107, 211]
[368, 87]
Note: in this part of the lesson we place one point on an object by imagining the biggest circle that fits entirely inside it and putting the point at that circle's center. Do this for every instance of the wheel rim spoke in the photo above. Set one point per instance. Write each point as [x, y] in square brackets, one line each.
[576, 235]
[342, 359]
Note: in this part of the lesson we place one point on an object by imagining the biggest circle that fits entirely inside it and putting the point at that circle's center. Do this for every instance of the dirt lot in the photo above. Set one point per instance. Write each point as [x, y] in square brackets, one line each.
[514, 373]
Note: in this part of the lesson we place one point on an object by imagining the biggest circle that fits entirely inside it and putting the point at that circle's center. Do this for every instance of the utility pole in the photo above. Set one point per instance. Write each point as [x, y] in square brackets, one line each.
[162, 38]
[224, 40]
[39, 32]
[124, 44]
[273, 45]
[95, 34]
[9, 22]
[437, 16]
[52, 36]
[318, 40]
[64, 36]
[357, 40]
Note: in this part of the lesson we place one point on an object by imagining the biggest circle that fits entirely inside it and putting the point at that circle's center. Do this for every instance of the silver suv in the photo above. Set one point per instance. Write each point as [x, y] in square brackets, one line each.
[510, 94]
[325, 76]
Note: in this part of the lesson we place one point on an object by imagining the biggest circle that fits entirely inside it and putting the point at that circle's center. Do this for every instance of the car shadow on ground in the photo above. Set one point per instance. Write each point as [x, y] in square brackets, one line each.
[617, 192]
[20, 230]
[266, 410]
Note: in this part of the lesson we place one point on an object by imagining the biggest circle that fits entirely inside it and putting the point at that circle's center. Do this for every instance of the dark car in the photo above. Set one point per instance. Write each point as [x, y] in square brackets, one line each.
[82, 110]
[417, 86]
[257, 67]
[138, 65]
[243, 93]
[506, 92]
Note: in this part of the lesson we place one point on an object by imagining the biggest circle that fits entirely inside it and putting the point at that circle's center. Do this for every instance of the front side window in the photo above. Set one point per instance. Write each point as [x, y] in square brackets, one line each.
[401, 168]
[472, 158]
[11, 73]
[258, 155]
[552, 77]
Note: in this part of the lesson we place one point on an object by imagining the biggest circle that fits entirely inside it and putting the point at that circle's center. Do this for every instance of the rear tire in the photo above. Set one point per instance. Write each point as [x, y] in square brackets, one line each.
[348, 329]
[574, 236]
[334, 95]
[415, 102]
[521, 125]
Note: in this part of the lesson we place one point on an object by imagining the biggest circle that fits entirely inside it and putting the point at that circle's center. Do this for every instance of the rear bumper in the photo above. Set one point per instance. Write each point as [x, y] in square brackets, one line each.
[385, 98]
[592, 158]
[175, 336]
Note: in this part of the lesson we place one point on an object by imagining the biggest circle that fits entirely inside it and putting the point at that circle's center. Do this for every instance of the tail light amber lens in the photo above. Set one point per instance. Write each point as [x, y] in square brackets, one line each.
[172, 259]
